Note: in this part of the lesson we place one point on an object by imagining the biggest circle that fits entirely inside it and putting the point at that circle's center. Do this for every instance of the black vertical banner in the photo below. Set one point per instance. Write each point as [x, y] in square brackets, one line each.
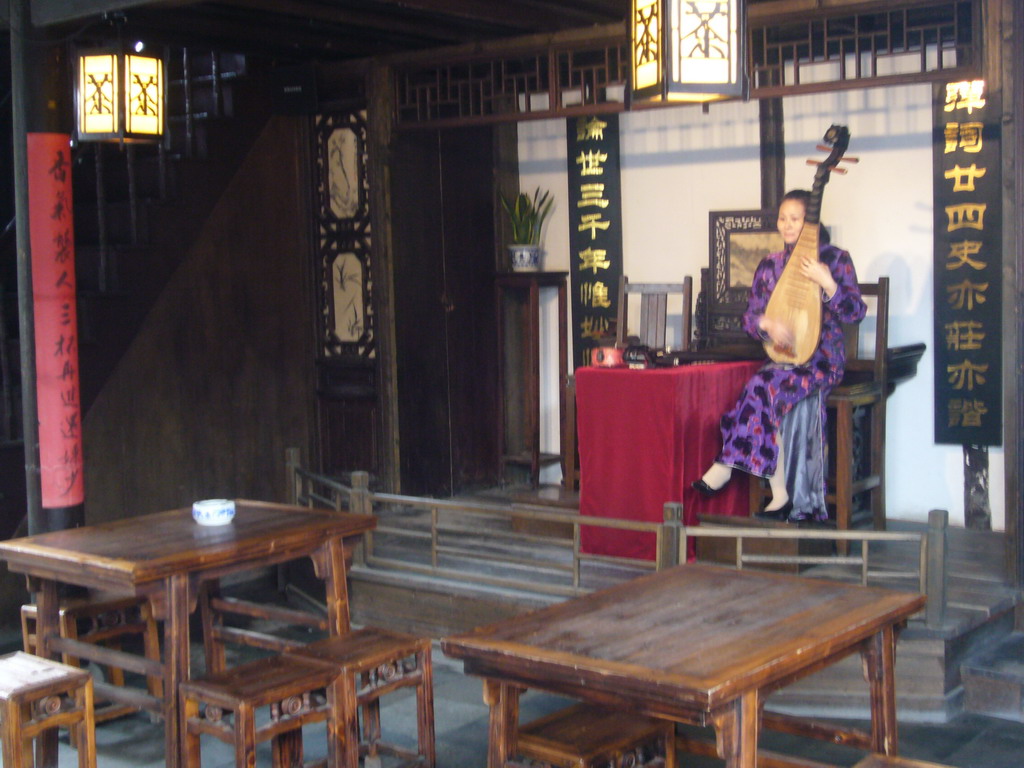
[968, 266]
[595, 231]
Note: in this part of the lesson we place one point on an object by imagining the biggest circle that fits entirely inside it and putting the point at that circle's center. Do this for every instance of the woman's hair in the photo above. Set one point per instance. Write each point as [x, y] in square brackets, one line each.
[798, 194]
[804, 196]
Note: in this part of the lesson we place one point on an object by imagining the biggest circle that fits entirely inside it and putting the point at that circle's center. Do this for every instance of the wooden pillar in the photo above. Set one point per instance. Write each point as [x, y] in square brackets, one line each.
[40, 104]
[773, 153]
[379, 132]
[1009, 54]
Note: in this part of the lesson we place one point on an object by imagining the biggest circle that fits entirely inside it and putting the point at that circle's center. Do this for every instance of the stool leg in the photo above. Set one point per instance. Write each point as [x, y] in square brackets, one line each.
[671, 759]
[425, 707]
[286, 749]
[86, 730]
[17, 752]
[343, 723]
[190, 739]
[371, 719]
[844, 471]
[245, 736]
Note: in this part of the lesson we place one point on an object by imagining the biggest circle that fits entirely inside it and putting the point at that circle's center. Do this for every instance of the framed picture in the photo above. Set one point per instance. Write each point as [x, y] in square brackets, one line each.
[738, 241]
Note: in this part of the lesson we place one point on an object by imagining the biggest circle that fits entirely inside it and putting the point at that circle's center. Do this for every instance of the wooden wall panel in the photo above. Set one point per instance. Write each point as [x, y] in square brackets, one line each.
[218, 382]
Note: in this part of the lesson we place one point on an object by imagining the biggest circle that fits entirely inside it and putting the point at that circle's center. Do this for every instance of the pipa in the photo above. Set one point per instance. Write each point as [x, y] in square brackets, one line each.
[796, 301]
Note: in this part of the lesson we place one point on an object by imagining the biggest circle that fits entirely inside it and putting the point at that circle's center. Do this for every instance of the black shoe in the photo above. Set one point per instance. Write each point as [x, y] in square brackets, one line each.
[704, 489]
[781, 514]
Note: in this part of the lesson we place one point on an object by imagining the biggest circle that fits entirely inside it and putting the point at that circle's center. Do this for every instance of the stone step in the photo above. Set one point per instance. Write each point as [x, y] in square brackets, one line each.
[994, 680]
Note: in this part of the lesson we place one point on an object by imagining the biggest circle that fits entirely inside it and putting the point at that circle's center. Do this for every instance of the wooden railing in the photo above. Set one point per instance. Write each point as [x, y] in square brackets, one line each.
[451, 530]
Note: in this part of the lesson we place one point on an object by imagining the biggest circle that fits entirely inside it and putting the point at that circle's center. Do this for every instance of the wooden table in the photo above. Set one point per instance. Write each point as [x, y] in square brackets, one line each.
[166, 557]
[698, 644]
[644, 436]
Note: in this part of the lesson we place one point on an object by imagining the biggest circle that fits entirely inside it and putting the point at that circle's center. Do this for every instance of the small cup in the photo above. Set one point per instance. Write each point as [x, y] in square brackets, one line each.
[213, 511]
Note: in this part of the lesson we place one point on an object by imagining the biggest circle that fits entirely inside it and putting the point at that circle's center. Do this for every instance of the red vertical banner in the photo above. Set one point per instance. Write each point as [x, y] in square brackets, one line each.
[52, 238]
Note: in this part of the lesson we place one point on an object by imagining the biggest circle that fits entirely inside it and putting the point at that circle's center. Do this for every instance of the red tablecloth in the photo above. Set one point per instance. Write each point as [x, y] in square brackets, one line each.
[644, 436]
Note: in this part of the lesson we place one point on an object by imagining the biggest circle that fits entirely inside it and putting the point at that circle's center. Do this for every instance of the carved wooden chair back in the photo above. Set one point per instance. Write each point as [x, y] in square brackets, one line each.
[654, 305]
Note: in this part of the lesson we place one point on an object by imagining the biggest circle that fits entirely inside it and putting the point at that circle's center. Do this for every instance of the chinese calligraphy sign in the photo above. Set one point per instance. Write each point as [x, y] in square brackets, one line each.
[968, 266]
[595, 230]
[51, 232]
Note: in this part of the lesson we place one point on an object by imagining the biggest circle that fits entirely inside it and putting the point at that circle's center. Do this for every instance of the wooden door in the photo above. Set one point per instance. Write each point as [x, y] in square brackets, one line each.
[443, 230]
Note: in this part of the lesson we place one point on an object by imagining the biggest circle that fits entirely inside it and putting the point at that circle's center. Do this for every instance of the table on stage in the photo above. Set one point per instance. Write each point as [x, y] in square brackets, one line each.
[167, 556]
[697, 644]
[644, 436]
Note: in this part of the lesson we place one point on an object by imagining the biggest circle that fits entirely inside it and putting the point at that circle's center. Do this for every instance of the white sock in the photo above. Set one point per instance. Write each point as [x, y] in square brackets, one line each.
[717, 476]
[777, 482]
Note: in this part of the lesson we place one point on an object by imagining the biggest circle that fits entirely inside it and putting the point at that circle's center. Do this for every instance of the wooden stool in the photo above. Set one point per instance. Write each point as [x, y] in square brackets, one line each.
[36, 695]
[373, 662]
[586, 736]
[293, 690]
[103, 622]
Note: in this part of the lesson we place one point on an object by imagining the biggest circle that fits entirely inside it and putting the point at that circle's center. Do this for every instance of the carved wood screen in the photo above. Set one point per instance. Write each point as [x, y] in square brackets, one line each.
[347, 375]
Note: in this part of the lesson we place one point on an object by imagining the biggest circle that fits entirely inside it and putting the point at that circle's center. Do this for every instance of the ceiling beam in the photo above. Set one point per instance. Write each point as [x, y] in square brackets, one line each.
[47, 12]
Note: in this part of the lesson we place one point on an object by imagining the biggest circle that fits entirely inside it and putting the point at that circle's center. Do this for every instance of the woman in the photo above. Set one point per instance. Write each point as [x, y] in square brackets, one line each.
[752, 430]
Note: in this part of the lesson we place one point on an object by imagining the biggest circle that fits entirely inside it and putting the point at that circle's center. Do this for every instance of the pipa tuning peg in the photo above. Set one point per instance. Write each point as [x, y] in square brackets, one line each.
[853, 160]
[835, 168]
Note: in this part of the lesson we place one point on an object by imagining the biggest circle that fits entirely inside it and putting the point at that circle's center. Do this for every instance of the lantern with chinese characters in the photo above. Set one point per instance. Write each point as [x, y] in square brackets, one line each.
[119, 96]
[687, 50]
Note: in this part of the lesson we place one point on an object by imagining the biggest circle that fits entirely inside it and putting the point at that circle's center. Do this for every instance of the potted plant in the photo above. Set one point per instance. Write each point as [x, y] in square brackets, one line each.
[526, 215]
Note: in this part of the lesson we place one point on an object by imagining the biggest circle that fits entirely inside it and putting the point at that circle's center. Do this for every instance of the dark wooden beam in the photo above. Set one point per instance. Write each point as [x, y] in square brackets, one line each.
[773, 153]
[47, 12]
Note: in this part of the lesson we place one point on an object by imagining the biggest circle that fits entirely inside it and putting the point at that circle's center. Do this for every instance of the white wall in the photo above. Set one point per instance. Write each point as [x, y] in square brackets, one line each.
[678, 164]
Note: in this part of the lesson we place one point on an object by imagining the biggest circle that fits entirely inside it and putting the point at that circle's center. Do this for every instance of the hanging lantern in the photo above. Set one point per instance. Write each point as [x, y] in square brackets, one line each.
[688, 50]
[120, 96]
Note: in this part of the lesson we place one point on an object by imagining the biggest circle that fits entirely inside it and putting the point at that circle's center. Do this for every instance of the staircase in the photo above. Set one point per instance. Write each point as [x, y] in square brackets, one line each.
[994, 679]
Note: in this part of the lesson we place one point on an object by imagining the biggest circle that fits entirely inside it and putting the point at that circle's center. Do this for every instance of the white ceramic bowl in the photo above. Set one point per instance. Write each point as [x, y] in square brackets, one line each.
[213, 511]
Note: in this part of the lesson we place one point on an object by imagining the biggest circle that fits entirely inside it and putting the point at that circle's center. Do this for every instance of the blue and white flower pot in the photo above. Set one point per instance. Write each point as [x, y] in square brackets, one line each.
[525, 258]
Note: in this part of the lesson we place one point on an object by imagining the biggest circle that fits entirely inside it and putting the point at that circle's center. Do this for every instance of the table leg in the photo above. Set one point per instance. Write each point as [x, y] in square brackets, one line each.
[737, 726]
[176, 666]
[879, 655]
[47, 626]
[503, 700]
[330, 567]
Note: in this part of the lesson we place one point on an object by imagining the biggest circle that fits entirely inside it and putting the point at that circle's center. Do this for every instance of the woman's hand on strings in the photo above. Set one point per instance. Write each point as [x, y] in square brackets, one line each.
[819, 273]
[779, 333]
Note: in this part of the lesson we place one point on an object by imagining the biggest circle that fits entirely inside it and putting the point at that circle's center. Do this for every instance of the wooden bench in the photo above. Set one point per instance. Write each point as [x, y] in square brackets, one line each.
[586, 736]
[36, 695]
[370, 663]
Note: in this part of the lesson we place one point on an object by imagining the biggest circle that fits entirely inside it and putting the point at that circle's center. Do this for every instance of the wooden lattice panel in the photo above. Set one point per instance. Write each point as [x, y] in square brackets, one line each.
[541, 83]
[889, 45]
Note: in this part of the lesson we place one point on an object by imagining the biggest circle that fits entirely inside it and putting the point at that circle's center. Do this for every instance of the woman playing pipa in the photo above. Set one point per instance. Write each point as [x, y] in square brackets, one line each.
[789, 392]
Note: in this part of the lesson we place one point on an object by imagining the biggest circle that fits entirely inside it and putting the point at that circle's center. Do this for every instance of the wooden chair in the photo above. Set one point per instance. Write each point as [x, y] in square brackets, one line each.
[586, 736]
[107, 623]
[654, 299]
[858, 454]
[36, 695]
